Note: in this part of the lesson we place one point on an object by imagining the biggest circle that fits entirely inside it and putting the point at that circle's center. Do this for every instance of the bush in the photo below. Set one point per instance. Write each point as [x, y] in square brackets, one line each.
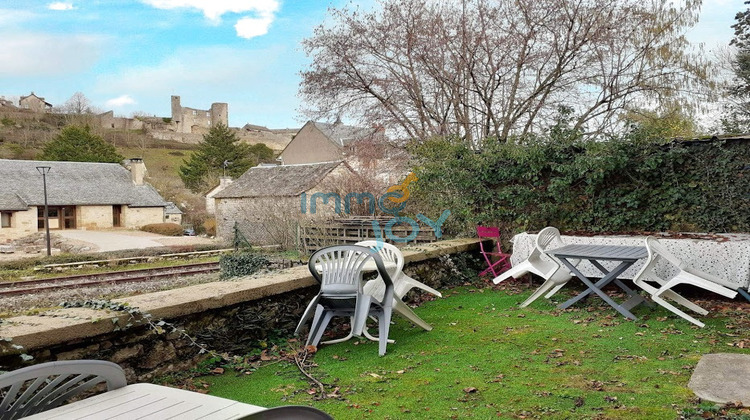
[609, 186]
[241, 264]
[209, 226]
[168, 229]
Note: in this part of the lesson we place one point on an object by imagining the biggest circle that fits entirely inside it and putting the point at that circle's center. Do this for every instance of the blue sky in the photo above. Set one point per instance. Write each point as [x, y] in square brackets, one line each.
[132, 55]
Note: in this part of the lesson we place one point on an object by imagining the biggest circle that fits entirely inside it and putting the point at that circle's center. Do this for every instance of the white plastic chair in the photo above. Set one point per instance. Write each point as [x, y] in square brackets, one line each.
[341, 292]
[402, 283]
[685, 275]
[556, 275]
[536, 263]
[38, 388]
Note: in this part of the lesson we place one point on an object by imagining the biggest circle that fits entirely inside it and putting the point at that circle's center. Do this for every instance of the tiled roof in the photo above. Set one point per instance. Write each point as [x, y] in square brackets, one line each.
[344, 134]
[278, 181]
[72, 183]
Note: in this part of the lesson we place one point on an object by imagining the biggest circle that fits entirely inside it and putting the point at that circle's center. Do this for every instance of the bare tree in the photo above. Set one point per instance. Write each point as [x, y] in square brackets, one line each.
[479, 68]
[78, 104]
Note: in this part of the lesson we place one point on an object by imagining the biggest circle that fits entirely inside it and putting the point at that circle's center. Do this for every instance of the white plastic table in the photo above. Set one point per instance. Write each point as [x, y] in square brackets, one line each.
[150, 402]
[625, 255]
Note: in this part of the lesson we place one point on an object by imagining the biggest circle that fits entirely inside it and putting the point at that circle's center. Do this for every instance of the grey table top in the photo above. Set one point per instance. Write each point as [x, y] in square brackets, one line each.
[601, 252]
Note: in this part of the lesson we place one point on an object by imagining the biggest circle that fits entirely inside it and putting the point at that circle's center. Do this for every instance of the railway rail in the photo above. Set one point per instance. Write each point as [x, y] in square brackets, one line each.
[108, 278]
[117, 277]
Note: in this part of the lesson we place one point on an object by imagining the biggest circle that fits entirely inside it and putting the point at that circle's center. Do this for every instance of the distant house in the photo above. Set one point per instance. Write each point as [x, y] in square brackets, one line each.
[321, 142]
[4, 103]
[172, 213]
[224, 182]
[80, 195]
[265, 202]
[34, 103]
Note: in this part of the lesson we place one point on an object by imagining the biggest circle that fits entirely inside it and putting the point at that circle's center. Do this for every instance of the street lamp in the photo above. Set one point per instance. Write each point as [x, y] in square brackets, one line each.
[44, 170]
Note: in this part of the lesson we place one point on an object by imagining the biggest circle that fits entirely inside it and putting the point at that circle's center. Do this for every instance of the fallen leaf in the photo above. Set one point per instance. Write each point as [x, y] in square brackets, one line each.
[470, 390]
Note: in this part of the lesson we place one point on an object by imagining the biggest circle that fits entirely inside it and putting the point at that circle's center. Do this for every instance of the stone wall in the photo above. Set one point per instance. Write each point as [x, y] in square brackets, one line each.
[94, 217]
[231, 316]
[136, 217]
[22, 223]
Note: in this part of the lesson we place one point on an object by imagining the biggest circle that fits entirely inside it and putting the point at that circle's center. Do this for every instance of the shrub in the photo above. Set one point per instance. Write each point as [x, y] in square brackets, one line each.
[241, 264]
[168, 229]
[209, 226]
[610, 186]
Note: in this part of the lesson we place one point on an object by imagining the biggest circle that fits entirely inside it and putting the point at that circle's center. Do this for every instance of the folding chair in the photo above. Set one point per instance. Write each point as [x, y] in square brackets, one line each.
[503, 260]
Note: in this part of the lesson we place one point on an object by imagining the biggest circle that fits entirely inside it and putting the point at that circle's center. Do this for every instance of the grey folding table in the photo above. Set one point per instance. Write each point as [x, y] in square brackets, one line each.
[626, 255]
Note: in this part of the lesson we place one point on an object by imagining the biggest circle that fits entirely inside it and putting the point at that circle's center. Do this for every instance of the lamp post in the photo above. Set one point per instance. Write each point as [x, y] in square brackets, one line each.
[44, 170]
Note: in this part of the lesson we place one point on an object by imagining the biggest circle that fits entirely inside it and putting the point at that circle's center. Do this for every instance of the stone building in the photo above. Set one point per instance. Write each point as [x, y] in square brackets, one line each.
[34, 103]
[80, 195]
[323, 142]
[224, 182]
[190, 120]
[265, 202]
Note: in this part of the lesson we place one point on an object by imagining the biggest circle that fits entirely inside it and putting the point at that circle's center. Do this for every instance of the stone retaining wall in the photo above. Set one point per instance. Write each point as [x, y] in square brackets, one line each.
[229, 316]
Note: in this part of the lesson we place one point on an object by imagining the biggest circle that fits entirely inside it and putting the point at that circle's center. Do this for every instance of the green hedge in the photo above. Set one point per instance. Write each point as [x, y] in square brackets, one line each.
[614, 186]
[168, 229]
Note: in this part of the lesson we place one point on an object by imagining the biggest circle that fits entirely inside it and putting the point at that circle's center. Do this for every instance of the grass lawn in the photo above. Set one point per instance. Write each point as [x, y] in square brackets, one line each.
[487, 358]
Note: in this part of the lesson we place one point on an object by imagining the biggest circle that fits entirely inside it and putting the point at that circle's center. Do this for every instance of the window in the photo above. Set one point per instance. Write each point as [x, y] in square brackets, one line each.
[6, 219]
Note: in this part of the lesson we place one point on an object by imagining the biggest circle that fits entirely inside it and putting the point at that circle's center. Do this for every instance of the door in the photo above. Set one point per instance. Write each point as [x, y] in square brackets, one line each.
[68, 216]
[117, 216]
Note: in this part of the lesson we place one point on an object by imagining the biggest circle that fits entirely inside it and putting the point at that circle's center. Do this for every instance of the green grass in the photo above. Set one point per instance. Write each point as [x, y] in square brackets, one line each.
[487, 358]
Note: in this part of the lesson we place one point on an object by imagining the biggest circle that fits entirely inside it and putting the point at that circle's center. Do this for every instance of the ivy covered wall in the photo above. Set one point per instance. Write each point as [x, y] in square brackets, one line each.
[615, 186]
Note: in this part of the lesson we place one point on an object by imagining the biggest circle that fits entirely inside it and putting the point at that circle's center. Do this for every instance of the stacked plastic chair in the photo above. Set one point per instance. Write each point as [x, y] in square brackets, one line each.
[338, 269]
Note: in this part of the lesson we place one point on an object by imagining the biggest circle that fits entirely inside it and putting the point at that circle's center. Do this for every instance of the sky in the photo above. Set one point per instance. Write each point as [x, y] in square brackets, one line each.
[131, 56]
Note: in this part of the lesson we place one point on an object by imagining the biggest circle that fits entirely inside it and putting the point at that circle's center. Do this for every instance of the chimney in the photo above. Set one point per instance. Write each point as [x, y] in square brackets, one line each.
[224, 181]
[137, 170]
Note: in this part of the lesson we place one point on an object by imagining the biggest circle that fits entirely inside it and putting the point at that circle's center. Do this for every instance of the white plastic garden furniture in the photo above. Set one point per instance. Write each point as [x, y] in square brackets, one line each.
[556, 275]
[685, 275]
[338, 269]
[41, 391]
[402, 283]
[538, 262]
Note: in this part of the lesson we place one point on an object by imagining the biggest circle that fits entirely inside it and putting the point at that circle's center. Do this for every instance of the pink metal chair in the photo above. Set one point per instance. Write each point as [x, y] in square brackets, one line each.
[503, 260]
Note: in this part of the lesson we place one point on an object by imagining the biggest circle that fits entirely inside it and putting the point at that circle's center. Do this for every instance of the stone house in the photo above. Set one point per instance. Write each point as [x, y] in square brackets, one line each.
[34, 103]
[80, 195]
[322, 142]
[224, 182]
[265, 203]
[172, 213]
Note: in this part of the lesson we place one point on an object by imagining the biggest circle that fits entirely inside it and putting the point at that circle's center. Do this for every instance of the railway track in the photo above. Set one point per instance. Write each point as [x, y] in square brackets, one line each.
[108, 278]
[117, 277]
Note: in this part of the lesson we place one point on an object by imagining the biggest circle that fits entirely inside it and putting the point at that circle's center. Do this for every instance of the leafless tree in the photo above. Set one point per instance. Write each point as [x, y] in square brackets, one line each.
[78, 104]
[479, 68]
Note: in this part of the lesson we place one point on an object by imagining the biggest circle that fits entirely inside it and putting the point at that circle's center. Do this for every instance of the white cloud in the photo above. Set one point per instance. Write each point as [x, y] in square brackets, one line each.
[58, 5]
[252, 27]
[214, 9]
[120, 101]
[36, 54]
[263, 12]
